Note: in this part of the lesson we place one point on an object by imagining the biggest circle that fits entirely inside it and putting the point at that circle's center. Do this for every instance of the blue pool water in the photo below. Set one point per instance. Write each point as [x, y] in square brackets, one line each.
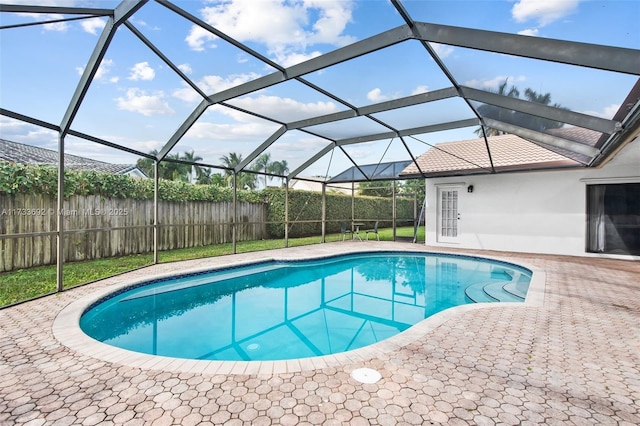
[285, 310]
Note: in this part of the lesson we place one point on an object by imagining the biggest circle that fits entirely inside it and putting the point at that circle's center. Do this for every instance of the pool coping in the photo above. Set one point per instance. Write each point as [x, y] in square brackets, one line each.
[66, 328]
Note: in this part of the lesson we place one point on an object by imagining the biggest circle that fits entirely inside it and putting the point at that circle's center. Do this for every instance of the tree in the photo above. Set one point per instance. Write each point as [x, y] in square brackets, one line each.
[538, 123]
[217, 179]
[518, 118]
[146, 164]
[166, 169]
[379, 188]
[192, 158]
[170, 170]
[204, 177]
[244, 180]
[263, 163]
[495, 112]
[414, 186]
[279, 168]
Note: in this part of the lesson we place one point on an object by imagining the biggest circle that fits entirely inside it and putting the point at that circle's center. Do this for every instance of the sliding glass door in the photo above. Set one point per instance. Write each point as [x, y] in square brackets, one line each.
[613, 218]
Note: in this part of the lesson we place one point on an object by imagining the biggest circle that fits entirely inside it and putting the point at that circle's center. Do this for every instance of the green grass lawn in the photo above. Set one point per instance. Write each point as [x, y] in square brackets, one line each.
[25, 284]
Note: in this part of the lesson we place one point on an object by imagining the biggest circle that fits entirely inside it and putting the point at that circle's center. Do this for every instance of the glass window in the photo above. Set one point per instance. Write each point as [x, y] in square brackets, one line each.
[613, 217]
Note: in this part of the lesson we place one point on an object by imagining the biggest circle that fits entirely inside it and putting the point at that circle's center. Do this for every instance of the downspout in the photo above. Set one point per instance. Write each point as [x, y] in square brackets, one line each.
[156, 190]
[353, 203]
[235, 212]
[324, 212]
[60, 218]
[394, 214]
[286, 214]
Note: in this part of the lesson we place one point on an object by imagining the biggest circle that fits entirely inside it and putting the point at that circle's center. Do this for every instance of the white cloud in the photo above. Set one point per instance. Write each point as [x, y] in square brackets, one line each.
[287, 59]
[543, 11]
[185, 68]
[376, 95]
[104, 68]
[442, 50]
[212, 84]
[137, 100]
[19, 131]
[494, 83]
[62, 3]
[103, 71]
[420, 89]
[286, 28]
[275, 106]
[229, 132]
[607, 112]
[246, 127]
[93, 25]
[533, 32]
[41, 17]
[198, 37]
[142, 71]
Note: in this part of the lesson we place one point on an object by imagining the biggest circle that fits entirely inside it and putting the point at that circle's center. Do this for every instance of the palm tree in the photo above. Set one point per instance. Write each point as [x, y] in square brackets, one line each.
[263, 162]
[230, 162]
[174, 170]
[495, 112]
[517, 118]
[146, 164]
[166, 169]
[538, 123]
[204, 177]
[191, 157]
[279, 168]
[245, 180]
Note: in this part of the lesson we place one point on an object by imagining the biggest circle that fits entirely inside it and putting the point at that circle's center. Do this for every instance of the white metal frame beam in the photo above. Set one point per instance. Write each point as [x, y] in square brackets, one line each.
[607, 58]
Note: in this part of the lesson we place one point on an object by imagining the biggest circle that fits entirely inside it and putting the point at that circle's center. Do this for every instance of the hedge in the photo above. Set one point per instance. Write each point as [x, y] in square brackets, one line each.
[303, 205]
[30, 179]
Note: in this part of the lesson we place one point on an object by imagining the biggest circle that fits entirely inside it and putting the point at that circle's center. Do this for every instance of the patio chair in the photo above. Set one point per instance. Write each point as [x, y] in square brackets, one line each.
[344, 231]
[373, 231]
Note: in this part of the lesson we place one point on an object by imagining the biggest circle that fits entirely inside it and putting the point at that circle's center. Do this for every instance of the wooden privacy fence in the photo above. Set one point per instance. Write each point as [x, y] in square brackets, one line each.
[97, 227]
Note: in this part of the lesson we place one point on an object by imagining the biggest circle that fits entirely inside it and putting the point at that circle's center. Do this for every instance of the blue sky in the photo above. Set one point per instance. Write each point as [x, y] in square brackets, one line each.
[138, 101]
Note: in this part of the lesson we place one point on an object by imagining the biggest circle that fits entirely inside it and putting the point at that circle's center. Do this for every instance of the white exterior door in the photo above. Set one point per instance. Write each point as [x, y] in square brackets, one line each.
[448, 215]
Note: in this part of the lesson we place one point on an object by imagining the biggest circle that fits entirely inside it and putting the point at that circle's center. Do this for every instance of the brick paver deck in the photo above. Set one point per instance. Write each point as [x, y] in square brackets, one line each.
[572, 358]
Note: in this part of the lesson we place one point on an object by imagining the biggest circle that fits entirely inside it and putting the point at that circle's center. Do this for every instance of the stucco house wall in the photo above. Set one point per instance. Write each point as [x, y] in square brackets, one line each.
[535, 212]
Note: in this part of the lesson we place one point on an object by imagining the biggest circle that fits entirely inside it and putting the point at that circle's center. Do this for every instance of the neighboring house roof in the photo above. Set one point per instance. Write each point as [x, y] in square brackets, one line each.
[576, 134]
[26, 154]
[509, 152]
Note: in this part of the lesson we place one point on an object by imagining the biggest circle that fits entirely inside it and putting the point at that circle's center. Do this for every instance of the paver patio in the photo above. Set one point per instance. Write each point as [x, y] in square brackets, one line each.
[574, 359]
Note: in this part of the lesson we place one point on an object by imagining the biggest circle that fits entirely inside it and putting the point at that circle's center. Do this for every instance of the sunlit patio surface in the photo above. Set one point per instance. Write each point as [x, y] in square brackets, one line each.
[569, 355]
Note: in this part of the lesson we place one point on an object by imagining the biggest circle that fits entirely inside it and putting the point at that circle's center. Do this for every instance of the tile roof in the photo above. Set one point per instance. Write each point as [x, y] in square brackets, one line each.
[508, 152]
[26, 154]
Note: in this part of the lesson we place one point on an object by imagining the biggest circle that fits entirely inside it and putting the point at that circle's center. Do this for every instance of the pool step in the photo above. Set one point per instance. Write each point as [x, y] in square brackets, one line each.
[517, 289]
[476, 293]
[497, 291]
[493, 291]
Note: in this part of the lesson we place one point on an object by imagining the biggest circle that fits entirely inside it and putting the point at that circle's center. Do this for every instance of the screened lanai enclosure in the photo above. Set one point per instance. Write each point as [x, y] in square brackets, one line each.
[223, 106]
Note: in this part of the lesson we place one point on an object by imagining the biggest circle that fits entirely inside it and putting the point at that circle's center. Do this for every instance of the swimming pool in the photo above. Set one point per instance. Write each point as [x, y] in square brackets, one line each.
[294, 309]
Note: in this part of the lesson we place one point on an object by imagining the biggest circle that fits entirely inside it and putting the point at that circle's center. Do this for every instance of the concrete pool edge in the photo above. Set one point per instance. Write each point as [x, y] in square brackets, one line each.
[67, 331]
